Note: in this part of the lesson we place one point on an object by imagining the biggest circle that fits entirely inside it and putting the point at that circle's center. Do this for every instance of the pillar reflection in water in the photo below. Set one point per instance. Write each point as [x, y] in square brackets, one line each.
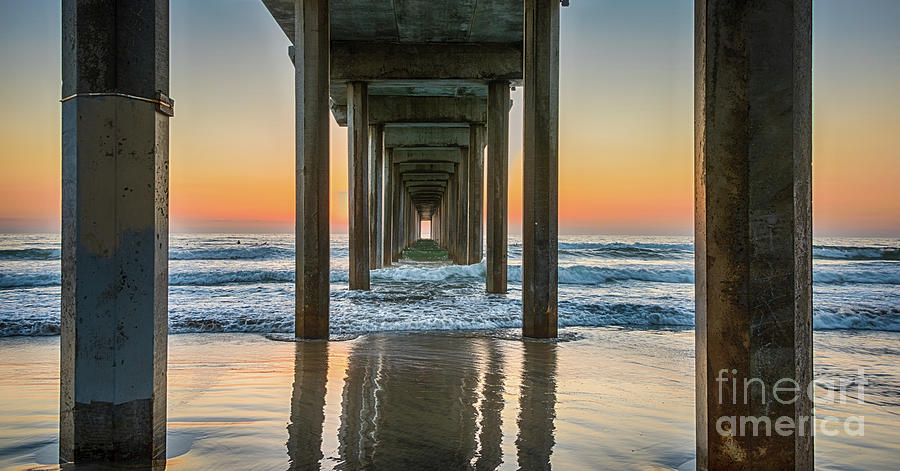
[537, 405]
[424, 402]
[491, 455]
[304, 445]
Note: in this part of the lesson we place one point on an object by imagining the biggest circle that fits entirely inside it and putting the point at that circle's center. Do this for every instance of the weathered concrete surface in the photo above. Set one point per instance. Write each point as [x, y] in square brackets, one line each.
[358, 189]
[753, 229]
[115, 209]
[312, 225]
[376, 161]
[476, 194]
[497, 187]
[540, 168]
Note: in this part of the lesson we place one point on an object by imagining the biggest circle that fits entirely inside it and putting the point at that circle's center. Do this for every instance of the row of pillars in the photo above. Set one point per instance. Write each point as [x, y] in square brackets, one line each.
[753, 216]
[384, 216]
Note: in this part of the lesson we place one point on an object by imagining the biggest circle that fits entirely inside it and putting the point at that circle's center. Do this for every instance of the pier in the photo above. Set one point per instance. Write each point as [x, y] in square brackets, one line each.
[423, 88]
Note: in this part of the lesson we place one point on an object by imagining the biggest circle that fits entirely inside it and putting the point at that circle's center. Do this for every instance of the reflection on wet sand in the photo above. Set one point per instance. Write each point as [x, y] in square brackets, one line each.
[308, 405]
[537, 406]
[423, 402]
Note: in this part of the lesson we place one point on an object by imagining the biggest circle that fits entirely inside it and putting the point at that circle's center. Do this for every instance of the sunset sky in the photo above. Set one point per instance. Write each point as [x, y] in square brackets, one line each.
[626, 119]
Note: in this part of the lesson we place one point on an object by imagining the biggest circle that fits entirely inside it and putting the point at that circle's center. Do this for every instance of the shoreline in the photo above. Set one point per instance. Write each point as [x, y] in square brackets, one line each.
[611, 395]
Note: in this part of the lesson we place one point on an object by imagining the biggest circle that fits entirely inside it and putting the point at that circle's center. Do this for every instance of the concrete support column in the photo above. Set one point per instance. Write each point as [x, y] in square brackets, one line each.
[388, 215]
[311, 63]
[476, 194]
[358, 189]
[397, 212]
[462, 218]
[753, 231]
[115, 217]
[376, 161]
[497, 186]
[404, 221]
[452, 213]
[540, 162]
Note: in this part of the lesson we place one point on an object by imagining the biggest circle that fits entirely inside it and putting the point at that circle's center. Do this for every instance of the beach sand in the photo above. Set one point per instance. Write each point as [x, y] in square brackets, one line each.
[605, 398]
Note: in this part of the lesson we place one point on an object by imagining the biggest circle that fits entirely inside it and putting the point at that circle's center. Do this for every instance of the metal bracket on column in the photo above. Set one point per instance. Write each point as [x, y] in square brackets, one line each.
[164, 104]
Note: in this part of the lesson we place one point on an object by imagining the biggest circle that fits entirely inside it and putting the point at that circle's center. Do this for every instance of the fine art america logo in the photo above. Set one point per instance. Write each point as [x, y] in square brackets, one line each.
[786, 392]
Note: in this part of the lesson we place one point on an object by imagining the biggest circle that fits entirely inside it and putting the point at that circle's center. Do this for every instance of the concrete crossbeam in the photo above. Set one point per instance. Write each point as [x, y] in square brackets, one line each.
[369, 61]
[420, 109]
[397, 136]
[446, 154]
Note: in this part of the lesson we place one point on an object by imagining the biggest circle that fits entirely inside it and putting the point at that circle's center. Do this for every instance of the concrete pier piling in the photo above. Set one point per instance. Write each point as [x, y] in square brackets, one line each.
[462, 197]
[497, 186]
[358, 189]
[115, 209]
[310, 20]
[376, 171]
[753, 231]
[476, 194]
[540, 168]
[388, 211]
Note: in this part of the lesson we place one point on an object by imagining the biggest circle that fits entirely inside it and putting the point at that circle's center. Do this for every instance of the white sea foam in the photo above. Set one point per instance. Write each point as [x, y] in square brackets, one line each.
[218, 285]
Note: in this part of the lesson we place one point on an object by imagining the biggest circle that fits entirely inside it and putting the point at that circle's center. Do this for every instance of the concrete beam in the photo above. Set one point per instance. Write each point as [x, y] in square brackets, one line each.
[443, 167]
[439, 176]
[395, 136]
[369, 61]
[753, 231]
[420, 109]
[540, 159]
[430, 155]
[115, 226]
[429, 184]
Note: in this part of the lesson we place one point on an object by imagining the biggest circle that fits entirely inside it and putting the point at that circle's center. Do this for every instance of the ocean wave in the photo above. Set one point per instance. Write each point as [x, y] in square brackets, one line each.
[567, 275]
[439, 273]
[29, 254]
[232, 253]
[858, 276]
[591, 275]
[418, 317]
[29, 327]
[859, 318]
[28, 280]
[835, 252]
[622, 314]
[595, 250]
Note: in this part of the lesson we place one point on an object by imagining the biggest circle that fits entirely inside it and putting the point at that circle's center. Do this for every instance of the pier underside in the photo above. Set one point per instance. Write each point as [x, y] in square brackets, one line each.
[423, 88]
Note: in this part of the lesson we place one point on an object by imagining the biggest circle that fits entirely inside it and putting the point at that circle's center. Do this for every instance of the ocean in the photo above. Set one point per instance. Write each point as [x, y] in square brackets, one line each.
[244, 283]
[617, 392]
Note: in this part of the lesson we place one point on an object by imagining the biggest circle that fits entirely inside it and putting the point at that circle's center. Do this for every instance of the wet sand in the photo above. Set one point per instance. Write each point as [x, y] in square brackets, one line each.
[606, 399]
